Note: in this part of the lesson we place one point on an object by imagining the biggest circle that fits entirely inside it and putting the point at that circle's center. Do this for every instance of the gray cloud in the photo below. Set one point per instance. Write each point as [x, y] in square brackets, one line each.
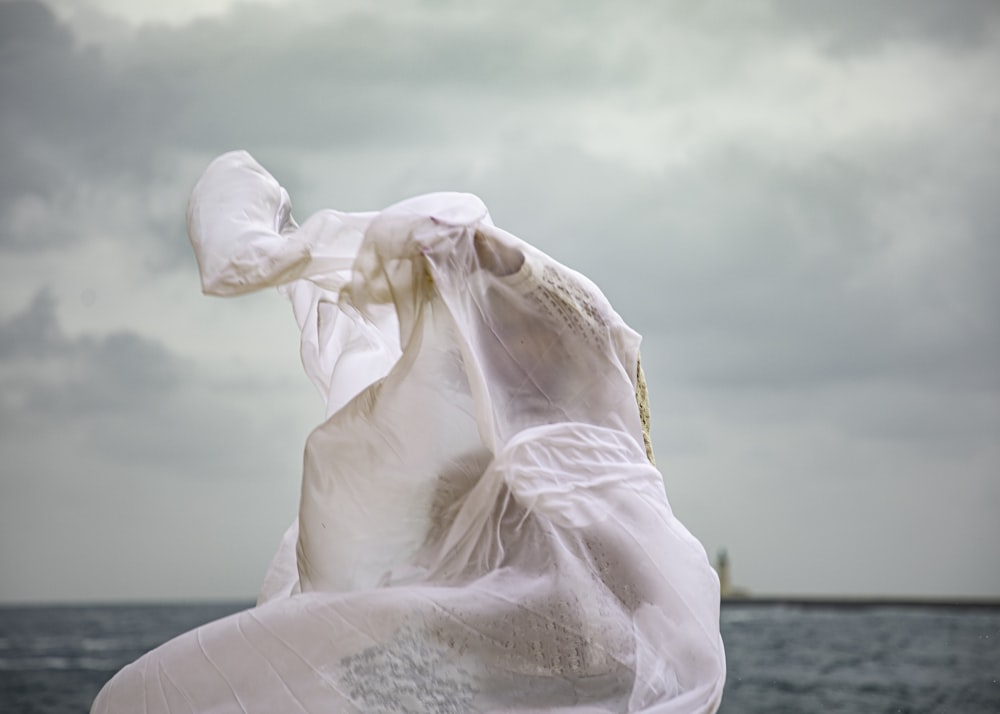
[119, 453]
[788, 316]
[814, 270]
[31, 333]
[65, 115]
[132, 397]
[865, 26]
[773, 275]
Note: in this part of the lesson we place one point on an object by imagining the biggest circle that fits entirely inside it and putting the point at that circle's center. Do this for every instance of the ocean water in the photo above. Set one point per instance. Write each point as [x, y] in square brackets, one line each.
[897, 660]
[782, 659]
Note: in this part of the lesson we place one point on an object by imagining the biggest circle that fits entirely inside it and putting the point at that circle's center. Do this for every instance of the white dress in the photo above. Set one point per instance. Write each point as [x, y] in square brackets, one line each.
[480, 528]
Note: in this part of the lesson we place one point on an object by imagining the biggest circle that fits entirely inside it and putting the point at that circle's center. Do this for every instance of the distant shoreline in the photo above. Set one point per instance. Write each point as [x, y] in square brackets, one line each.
[862, 602]
[808, 601]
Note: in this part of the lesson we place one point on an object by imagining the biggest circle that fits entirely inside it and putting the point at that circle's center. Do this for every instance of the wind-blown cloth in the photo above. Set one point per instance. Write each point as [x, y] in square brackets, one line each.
[480, 527]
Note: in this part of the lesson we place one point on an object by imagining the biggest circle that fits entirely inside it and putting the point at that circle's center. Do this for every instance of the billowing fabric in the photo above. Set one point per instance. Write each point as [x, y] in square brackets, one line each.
[480, 527]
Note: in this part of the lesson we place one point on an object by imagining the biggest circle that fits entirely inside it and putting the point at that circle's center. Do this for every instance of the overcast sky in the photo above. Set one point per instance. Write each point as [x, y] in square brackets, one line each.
[795, 202]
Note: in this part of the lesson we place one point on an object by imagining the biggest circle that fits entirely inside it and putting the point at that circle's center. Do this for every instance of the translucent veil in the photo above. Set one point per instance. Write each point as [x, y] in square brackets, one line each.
[480, 526]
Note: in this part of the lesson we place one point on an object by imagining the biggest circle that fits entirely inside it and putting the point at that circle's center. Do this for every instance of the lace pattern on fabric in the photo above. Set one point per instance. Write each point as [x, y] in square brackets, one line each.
[407, 673]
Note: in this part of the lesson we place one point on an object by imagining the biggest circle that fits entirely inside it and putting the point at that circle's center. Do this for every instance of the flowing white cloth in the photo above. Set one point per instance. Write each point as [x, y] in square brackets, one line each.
[480, 528]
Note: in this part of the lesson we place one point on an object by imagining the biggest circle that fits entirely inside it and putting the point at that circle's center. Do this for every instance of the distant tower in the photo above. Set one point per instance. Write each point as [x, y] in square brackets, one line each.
[726, 588]
[722, 568]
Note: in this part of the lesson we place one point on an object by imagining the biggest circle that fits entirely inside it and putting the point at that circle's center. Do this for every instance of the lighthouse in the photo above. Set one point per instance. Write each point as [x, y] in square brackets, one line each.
[726, 588]
[722, 568]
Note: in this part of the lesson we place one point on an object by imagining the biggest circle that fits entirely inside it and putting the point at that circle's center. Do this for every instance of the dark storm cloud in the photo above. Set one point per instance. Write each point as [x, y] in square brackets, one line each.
[124, 357]
[51, 378]
[65, 114]
[33, 332]
[774, 275]
[256, 79]
[857, 25]
[135, 400]
[265, 77]
[276, 81]
[262, 77]
[778, 293]
[792, 279]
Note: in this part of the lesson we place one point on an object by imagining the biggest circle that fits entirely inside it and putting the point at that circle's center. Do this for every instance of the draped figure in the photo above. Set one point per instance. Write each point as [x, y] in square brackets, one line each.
[481, 526]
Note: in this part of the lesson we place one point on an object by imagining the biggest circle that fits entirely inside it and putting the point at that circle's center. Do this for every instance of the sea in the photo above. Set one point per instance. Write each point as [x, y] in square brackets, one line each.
[783, 657]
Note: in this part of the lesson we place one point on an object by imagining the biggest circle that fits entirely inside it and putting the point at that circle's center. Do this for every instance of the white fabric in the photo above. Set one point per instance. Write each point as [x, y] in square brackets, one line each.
[480, 528]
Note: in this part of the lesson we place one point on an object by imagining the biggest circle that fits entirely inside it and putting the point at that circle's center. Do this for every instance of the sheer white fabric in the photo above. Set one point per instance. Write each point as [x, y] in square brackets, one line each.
[480, 528]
